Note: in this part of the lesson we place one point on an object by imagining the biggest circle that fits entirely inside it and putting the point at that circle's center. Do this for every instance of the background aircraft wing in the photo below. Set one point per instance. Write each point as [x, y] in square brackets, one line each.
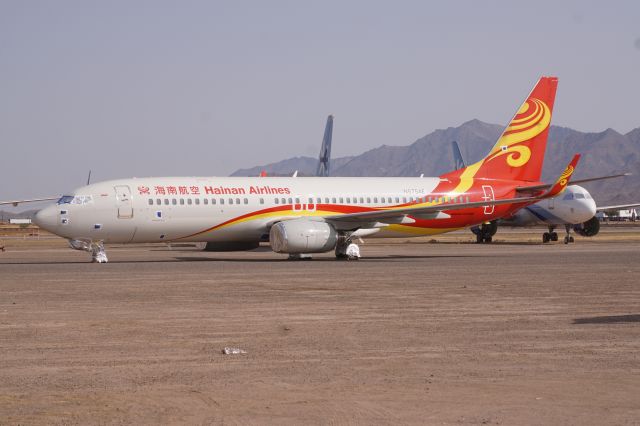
[618, 207]
[33, 200]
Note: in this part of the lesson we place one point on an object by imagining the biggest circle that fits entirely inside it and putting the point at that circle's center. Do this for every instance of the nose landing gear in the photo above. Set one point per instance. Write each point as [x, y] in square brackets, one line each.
[568, 238]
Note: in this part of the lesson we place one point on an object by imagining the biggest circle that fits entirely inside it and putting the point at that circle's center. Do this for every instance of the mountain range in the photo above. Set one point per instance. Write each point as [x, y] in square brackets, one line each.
[603, 153]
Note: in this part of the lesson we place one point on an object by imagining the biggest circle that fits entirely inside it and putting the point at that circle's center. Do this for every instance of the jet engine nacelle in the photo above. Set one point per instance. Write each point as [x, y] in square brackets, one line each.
[588, 228]
[302, 236]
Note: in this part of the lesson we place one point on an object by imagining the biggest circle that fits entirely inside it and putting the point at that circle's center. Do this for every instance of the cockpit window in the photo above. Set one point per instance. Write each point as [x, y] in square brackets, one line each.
[579, 195]
[75, 199]
[568, 197]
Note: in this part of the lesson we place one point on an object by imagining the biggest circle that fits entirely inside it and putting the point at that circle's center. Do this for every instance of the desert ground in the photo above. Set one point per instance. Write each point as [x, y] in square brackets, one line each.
[434, 331]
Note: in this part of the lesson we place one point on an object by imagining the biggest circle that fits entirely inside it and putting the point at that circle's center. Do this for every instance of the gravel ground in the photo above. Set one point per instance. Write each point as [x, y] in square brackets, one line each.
[449, 333]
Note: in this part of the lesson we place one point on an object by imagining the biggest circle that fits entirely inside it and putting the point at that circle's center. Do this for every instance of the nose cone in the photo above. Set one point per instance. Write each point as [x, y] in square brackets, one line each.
[586, 209]
[46, 219]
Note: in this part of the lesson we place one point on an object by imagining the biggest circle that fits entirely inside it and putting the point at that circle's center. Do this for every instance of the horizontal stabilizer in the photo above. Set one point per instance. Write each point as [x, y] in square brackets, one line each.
[573, 182]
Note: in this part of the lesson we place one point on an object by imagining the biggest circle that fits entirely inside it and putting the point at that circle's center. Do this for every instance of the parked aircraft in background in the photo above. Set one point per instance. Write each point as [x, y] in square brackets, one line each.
[324, 159]
[574, 209]
[299, 215]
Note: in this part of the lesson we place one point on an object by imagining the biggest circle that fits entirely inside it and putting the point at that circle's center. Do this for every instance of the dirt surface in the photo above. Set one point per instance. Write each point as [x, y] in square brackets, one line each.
[511, 333]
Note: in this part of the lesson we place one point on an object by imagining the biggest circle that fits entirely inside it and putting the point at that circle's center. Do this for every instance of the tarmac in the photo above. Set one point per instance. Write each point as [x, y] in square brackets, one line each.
[440, 332]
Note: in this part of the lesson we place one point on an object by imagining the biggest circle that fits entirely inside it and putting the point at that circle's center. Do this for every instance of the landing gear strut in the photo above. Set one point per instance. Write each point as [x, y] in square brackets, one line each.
[550, 236]
[568, 238]
[346, 249]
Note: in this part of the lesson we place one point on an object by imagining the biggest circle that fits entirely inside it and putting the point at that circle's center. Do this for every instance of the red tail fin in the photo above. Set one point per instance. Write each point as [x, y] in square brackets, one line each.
[519, 152]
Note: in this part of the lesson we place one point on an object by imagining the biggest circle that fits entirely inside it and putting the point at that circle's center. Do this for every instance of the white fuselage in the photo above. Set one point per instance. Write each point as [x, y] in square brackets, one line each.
[573, 206]
[214, 209]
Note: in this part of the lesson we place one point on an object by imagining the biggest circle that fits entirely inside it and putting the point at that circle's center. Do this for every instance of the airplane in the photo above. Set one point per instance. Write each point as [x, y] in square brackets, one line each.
[575, 209]
[302, 215]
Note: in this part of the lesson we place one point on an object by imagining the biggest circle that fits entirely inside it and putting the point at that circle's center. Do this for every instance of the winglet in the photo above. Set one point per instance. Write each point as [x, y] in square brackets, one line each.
[563, 180]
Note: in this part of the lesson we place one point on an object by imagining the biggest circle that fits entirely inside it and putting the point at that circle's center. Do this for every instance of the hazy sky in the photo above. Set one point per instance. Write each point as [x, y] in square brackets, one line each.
[139, 88]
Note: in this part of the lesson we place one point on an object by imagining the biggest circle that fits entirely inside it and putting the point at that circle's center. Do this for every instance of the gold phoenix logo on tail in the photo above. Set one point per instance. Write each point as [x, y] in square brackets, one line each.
[532, 118]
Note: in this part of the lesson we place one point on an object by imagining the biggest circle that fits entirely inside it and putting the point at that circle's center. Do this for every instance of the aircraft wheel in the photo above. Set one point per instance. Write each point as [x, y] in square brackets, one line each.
[566, 240]
[479, 239]
[488, 239]
[553, 236]
[571, 239]
[545, 238]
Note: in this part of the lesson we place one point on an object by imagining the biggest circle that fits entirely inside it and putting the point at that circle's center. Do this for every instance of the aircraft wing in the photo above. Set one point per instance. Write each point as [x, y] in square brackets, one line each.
[618, 207]
[432, 211]
[33, 200]
[425, 212]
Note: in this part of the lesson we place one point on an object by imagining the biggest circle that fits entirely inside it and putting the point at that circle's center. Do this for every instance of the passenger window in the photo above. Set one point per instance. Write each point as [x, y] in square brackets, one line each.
[166, 201]
[333, 200]
[318, 200]
[290, 200]
[221, 200]
[397, 200]
[368, 200]
[158, 201]
[310, 200]
[197, 201]
[213, 201]
[230, 200]
[283, 200]
[297, 200]
[389, 200]
[189, 201]
[341, 200]
[150, 202]
[261, 200]
[174, 201]
[276, 200]
[182, 201]
[205, 201]
[375, 200]
[361, 200]
[382, 200]
[326, 200]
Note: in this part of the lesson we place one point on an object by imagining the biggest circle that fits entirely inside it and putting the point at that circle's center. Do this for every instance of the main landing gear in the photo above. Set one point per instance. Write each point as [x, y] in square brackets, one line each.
[485, 232]
[553, 236]
[550, 236]
[346, 249]
[96, 248]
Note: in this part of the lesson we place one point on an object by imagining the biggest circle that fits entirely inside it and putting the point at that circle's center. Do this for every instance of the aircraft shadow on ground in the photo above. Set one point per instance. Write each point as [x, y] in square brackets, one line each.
[319, 259]
[608, 319]
[239, 260]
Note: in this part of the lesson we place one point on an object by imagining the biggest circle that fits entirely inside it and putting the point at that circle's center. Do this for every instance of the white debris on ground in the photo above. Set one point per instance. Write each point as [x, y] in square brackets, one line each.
[233, 351]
